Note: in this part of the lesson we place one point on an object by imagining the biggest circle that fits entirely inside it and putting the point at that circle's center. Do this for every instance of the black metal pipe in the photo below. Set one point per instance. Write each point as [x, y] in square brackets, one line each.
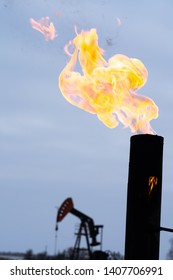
[142, 239]
[166, 229]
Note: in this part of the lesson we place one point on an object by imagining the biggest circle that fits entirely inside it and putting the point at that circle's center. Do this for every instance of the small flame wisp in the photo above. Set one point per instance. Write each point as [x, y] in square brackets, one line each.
[44, 26]
[152, 182]
[107, 88]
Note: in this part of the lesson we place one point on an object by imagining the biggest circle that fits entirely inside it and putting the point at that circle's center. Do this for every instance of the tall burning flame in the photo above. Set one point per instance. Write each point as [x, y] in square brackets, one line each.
[46, 28]
[107, 89]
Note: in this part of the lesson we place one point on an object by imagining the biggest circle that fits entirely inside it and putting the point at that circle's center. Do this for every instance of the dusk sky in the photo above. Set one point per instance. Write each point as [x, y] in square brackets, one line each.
[51, 150]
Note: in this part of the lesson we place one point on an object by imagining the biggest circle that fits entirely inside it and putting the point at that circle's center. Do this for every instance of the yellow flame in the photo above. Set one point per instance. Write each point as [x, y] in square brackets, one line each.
[46, 28]
[152, 182]
[107, 88]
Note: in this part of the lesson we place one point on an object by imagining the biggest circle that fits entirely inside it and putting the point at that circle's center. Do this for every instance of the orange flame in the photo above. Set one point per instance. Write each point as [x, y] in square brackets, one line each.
[107, 89]
[152, 182]
[46, 28]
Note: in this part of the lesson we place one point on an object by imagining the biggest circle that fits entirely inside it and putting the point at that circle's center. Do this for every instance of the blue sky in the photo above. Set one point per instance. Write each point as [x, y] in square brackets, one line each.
[51, 150]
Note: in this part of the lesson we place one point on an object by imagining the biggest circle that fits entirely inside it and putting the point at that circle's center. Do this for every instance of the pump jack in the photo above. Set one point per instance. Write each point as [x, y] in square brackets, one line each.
[87, 228]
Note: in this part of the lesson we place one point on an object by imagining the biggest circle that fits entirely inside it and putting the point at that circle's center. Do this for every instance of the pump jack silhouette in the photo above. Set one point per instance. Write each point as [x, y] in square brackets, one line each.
[87, 229]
